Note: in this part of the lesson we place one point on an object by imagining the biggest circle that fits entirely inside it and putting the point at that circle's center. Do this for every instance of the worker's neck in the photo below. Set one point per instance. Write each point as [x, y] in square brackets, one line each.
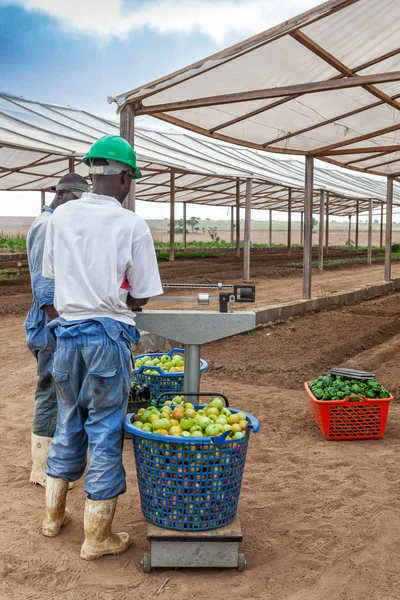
[105, 189]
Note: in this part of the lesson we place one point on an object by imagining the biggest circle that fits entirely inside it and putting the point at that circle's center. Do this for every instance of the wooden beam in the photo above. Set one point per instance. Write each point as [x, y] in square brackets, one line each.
[71, 164]
[289, 229]
[349, 235]
[357, 218]
[369, 254]
[360, 138]
[360, 150]
[172, 218]
[127, 131]
[321, 230]
[247, 231]
[270, 229]
[388, 236]
[308, 204]
[232, 226]
[301, 229]
[288, 90]
[42, 198]
[184, 225]
[327, 224]
[238, 217]
[381, 227]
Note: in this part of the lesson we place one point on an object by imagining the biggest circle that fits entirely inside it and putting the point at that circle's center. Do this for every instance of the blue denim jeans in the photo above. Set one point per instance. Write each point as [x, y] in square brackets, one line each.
[42, 344]
[91, 371]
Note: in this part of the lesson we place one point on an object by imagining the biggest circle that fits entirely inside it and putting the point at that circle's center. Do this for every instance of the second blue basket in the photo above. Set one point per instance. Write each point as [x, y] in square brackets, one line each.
[163, 381]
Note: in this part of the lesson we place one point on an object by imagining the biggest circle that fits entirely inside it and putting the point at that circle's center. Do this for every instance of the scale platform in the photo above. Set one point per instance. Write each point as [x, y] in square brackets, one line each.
[216, 548]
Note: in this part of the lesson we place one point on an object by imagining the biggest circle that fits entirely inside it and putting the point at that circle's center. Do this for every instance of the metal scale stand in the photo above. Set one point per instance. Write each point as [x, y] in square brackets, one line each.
[217, 547]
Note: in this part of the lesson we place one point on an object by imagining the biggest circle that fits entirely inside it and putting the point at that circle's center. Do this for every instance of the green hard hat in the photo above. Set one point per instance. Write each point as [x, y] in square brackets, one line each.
[113, 148]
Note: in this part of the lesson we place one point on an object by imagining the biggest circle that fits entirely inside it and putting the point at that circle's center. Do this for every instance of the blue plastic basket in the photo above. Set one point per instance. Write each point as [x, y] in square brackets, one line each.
[187, 483]
[163, 381]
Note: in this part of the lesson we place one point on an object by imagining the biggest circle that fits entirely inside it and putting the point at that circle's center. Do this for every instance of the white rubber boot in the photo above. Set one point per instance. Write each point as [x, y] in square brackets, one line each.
[40, 447]
[56, 513]
[98, 537]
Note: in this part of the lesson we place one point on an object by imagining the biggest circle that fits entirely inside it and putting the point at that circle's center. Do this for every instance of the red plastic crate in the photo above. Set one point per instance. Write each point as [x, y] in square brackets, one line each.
[347, 420]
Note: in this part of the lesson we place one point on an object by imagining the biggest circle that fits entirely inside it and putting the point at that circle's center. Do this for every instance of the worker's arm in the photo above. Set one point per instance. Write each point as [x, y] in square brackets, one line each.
[142, 274]
[42, 286]
[136, 302]
[50, 312]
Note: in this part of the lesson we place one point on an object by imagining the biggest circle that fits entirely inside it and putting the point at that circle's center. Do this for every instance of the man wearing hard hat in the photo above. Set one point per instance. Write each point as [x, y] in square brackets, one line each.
[39, 339]
[103, 261]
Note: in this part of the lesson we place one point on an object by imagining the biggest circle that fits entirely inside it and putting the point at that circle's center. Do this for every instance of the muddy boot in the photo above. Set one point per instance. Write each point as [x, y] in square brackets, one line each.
[40, 447]
[98, 537]
[56, 513]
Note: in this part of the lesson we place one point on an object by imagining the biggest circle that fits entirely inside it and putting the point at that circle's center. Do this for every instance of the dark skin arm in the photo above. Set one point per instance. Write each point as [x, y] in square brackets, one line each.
[136, 302]
[50, 312]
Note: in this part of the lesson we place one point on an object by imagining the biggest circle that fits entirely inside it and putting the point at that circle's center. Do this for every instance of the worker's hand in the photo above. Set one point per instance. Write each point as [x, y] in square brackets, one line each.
[135, 303]
[50, 312]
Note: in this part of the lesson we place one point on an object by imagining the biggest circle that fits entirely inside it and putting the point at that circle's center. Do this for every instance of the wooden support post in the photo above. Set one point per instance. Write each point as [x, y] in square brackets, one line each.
[289, 225]
[327, 224]
[388, 236]
[321, 230]
[349, 236]
[127, 131]
[308, 208]
[172, 218]
[369, 255]
[232, 226]
[71, 164]
[270, 229]
[184, 225]
[238, 218]
[381, 234]
[247, 231]
[301, 229]
[42, 199]
[357, 218]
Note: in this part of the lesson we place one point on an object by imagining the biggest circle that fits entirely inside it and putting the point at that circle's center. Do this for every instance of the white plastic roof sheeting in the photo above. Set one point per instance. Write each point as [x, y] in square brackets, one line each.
[325, 83]
[38, 140]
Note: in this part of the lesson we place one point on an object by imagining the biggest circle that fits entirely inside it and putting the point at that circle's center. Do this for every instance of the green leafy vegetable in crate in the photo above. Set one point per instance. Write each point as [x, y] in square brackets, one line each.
[332, 387]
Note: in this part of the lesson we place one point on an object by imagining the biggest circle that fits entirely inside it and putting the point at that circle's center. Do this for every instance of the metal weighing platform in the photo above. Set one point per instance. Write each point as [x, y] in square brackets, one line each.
[217, 547]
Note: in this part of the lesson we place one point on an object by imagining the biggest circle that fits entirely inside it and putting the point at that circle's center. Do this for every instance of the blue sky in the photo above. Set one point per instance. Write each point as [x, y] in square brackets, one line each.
[78, 52]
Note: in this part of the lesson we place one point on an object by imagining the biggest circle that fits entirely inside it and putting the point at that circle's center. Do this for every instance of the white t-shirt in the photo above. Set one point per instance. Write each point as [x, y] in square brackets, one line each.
[97, 252]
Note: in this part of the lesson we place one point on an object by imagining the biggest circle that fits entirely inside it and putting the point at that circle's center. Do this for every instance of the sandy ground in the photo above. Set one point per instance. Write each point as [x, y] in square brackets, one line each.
[275, 283]
[320, 519]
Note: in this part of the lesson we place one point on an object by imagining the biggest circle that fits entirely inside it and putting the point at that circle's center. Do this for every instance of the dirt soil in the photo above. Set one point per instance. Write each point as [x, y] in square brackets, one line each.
[320, 519]
[275, 283]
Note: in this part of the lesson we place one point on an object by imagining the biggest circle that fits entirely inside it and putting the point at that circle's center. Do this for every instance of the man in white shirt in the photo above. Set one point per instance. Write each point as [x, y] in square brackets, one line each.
[103, 261]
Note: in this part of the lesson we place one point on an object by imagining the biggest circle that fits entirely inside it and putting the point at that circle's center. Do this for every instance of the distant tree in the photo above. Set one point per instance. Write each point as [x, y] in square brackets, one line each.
[213, 233]
[376, 222]
[314, 224]
[178, 226]
[193, 222]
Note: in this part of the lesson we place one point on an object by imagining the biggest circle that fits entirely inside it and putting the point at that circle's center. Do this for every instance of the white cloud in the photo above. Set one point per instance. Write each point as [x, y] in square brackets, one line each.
[216, 19]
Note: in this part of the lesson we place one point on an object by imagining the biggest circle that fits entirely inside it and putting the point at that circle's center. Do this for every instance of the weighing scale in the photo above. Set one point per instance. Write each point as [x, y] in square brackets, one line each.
[217, 547]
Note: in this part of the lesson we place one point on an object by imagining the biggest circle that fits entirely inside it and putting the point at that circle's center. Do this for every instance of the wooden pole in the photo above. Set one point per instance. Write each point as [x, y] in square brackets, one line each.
[184, 225]
[238, 217]
[381, 235]
[301, 229]
[357, 217]
[247, 231]
[270, 229]
[289, 225]
[327, 224]
[321, 230]
[71, 164]
[369, 256]
[232, 227]
[42, 199]
[349, 236]
[172, 218]
[127, 131]
[308, 208]
[388, 237]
